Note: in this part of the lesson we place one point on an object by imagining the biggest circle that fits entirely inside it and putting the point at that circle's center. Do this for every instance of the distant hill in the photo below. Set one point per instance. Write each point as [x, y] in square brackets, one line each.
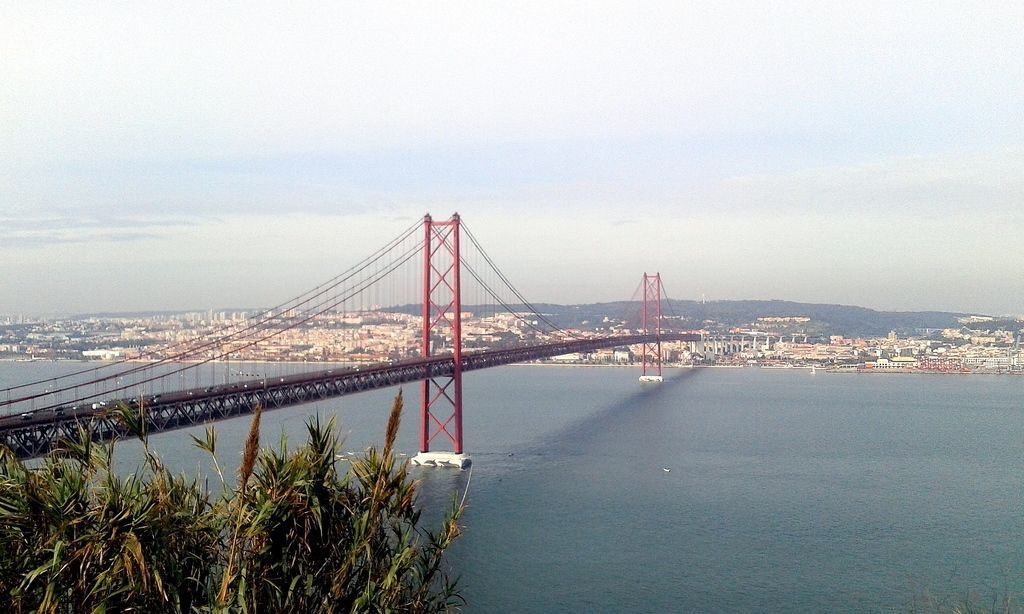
[845, 320]
[824, 319]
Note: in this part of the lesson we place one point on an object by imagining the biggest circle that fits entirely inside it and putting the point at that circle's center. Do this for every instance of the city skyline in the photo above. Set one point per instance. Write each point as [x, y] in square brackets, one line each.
[163, 157]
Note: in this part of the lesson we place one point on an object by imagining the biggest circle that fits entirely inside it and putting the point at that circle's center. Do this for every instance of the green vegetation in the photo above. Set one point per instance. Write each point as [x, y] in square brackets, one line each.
[292, 535]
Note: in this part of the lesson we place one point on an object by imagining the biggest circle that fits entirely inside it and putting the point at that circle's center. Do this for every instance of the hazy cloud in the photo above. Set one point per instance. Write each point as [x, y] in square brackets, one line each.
[23, 232]
[45, 238]
[42, 224]
[936, 185]
[735, 142]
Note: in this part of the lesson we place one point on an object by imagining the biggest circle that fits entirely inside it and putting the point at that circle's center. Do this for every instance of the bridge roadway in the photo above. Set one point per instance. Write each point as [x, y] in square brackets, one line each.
[35, 433]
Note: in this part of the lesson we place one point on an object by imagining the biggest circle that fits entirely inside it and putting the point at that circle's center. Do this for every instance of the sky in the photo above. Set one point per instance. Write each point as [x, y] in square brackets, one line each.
[195, 155]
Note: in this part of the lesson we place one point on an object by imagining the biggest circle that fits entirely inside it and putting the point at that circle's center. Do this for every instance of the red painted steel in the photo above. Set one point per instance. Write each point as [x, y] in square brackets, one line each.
[425, 347]
[652, 301]
[442, 308]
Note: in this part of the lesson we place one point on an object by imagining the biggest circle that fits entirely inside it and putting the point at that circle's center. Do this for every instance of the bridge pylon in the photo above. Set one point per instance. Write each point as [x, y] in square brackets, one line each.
[441, 402]
[651, 322]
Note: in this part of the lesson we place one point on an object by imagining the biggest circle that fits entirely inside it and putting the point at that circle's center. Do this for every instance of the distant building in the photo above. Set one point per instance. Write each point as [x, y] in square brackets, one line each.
[896, 362]
[573, 357]
[988, 362]
[101, 354]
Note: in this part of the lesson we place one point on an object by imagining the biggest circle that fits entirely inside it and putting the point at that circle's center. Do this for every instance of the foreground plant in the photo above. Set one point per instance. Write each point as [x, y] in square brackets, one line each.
[293, 535]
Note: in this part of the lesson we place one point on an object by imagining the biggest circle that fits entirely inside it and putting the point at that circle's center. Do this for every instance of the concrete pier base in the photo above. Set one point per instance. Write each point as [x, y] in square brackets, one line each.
[644, 379]
[442, 459]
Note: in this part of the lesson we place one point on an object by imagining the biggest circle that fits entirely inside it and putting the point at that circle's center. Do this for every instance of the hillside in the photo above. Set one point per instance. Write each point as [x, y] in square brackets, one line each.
[824, 319]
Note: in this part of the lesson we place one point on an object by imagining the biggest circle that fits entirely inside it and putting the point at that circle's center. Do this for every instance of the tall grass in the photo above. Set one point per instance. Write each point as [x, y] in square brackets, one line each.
[294, 534]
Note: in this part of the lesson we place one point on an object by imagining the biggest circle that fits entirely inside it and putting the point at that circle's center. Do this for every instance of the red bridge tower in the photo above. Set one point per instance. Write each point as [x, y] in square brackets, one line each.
[441, 403]
[651, 322]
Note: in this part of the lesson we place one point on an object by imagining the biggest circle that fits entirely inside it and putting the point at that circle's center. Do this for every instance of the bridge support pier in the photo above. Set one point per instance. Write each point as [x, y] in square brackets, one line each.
[442, 459]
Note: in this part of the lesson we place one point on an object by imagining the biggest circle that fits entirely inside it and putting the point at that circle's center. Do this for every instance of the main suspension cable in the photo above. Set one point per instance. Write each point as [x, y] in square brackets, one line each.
[497, 298]
[253, 329]
[510, 286]
[366, 284]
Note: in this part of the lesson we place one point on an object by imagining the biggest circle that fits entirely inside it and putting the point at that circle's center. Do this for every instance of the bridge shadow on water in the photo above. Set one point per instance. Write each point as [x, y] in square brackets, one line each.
[618, 417]
[629, 416]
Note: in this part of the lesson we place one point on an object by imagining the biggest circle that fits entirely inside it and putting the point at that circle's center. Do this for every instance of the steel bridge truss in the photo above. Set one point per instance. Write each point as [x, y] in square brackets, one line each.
[42, 432]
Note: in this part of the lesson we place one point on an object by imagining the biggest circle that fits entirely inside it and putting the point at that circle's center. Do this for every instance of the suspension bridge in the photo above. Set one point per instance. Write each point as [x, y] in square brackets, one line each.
[427, 264]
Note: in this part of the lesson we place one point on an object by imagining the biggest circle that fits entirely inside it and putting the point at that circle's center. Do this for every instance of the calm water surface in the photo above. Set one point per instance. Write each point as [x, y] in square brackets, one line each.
[786, 492]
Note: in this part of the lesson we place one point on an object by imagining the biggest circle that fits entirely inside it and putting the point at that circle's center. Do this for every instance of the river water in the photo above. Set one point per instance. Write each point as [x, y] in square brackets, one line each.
[718, 490]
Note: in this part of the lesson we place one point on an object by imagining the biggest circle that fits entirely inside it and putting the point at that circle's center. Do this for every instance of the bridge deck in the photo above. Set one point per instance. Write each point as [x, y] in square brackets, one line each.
[37, 432]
